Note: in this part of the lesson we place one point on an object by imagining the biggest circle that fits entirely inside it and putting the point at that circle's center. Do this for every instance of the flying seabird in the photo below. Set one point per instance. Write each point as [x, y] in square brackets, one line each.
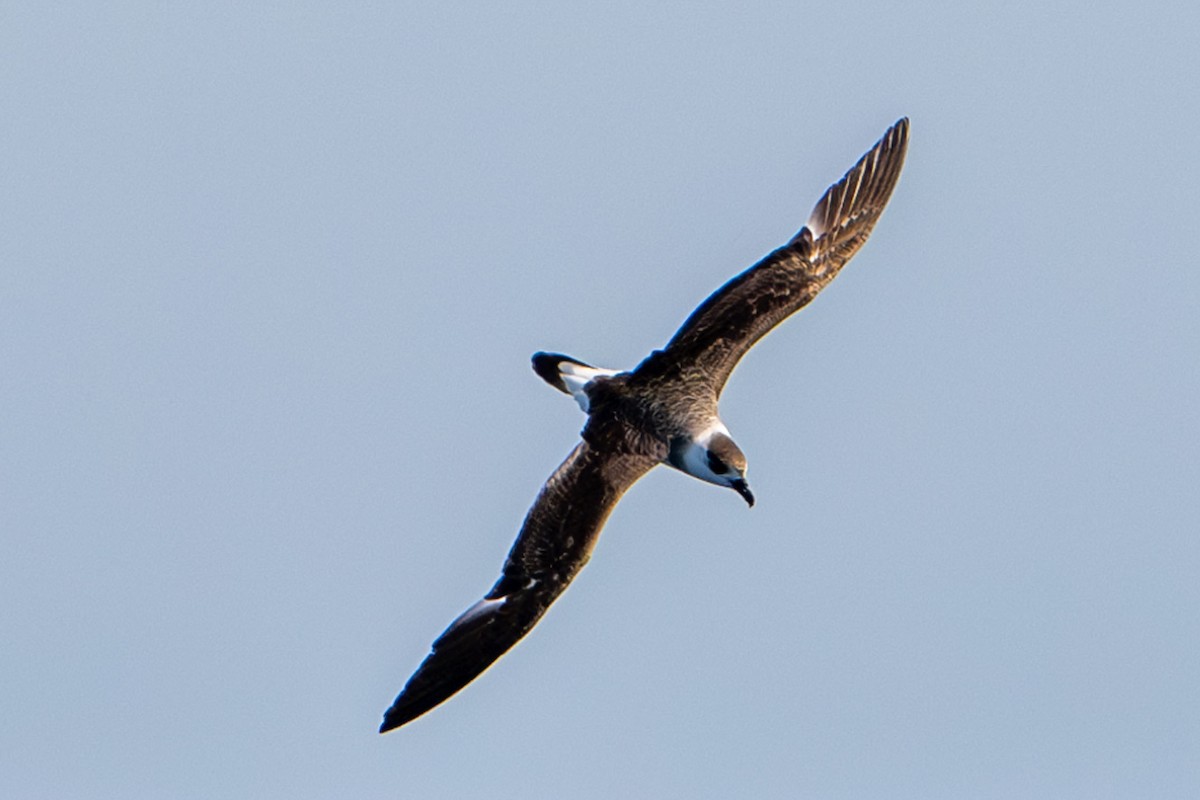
[664, 411]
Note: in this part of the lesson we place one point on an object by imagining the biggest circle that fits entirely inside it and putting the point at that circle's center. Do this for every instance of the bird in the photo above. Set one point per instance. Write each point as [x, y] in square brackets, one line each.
[664, 411]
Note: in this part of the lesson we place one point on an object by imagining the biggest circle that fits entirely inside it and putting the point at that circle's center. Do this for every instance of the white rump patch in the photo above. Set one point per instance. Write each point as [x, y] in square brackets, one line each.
[576, 377]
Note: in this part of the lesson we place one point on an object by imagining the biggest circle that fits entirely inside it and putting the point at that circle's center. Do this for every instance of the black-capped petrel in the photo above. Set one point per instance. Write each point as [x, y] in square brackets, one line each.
[664, 411]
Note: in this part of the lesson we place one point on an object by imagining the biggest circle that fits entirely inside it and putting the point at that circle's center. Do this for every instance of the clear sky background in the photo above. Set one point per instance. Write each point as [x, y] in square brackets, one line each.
[269, 282]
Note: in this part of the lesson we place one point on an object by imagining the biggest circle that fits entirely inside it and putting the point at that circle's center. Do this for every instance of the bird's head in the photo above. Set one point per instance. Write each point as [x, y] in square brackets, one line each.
[714, 457]
[727, 463]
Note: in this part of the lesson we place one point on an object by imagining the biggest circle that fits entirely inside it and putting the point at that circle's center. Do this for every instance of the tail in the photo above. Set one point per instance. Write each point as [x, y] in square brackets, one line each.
[547, 366]
[568, 375]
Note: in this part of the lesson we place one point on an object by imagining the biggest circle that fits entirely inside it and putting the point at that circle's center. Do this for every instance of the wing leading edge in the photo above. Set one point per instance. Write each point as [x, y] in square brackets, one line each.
[726, 325]
[555, 542]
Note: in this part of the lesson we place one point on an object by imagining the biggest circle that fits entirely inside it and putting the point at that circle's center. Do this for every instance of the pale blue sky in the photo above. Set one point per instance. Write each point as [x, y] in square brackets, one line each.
[270, 283]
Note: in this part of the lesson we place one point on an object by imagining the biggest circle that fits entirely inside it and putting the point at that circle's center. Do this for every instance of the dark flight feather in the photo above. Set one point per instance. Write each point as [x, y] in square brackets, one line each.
[726, 325]
[554, 544]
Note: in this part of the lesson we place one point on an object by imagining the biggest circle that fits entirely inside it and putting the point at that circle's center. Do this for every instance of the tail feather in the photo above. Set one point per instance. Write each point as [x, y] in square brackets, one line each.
[569, 375]
[546, 365]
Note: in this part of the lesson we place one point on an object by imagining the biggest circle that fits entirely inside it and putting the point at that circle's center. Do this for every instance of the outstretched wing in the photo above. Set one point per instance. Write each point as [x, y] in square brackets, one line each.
[732, 319]
[555, 542]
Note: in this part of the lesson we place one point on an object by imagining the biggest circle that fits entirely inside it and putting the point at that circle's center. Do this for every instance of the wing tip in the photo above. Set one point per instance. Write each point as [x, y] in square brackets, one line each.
[467, 648]
[394, 718]
[895, 141]
[859, 197]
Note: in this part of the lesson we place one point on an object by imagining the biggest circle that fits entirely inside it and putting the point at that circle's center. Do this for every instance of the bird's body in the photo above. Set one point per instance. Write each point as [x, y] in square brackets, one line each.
[664, 411]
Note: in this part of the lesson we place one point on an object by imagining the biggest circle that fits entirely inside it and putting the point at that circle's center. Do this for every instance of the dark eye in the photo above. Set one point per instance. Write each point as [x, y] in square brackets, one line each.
[716, 464]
